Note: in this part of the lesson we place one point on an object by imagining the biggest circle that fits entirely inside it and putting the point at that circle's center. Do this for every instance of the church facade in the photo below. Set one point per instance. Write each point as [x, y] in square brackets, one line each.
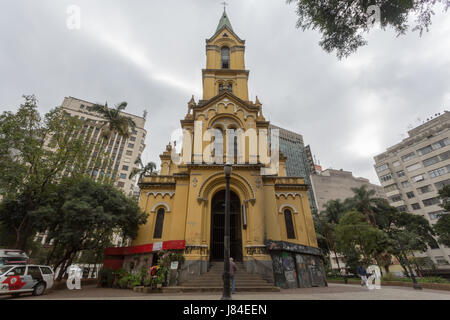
[272, 229]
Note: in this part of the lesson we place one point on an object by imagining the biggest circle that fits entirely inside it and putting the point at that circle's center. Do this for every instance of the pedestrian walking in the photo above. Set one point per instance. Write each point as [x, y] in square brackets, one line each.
[363, 274]
[233, 270]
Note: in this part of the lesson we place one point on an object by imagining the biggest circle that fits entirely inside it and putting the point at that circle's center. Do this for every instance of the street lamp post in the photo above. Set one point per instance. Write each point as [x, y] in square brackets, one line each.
[226, 274]
[403, 254]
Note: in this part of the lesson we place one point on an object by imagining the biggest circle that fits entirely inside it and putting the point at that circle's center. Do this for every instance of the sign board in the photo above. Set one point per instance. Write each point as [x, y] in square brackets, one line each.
[174, 265]
[157, 246]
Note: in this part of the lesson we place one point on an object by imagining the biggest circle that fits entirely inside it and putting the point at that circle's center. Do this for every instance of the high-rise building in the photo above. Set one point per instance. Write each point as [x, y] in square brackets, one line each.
[333, 184]
[297, 163]
[121, 153]
[413, 171]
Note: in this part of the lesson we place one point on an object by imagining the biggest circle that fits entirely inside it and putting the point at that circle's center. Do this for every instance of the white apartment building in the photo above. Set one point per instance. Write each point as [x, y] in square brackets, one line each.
[413, 171]
[121, 153]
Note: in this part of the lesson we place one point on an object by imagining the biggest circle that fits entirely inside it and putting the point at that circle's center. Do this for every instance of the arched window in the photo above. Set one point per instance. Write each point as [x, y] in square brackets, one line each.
[289, 224]
[225, 58]
[220, 88]
[159, 224]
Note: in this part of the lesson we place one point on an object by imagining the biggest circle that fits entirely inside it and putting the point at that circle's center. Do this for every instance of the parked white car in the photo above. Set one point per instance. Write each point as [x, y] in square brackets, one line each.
[17, 279]
[12, 257]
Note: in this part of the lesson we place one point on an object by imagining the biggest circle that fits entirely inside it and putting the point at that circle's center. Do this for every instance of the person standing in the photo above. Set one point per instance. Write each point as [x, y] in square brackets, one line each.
[363, 274]
[233, 270]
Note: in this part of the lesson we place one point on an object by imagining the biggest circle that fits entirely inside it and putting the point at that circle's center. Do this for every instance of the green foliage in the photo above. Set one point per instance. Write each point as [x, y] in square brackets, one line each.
[34, 153]
[442, 228]
[344, 23]
[114, 120]
[81, 214]
[142, 171]
[356, 237]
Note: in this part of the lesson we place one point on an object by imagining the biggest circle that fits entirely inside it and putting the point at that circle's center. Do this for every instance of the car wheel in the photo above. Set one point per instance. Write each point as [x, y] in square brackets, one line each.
[39, 289]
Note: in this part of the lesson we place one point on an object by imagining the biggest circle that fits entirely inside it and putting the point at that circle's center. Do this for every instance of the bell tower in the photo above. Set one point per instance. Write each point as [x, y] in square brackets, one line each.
[225, 63]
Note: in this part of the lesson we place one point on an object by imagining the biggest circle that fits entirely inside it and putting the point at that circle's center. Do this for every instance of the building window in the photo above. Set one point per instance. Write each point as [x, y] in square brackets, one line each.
[408, 157]
[436, 214]
[402, 208]
[123, 176]
[401, 174]
[434, 146]
[225, 58]
[415, 206]
[410, 195]
[441, 261]
[414, 167]
[125, 168]
[430, 161]
[129, 153]
[131, 145]
[382, 167]
[391, 187]
[430, 202]
[132, 138]
[289, 224]
[121, 184]
[396, 198]
[438, 172]
[396, 163]
[418, 178]
[386, 177]
[405, 184]
[159, 224]
[439, 185]
[425, 189]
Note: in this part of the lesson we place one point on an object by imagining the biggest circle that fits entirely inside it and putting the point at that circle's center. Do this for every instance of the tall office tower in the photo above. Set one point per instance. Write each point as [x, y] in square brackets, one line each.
[413, 171]
[121, 153]
[297, 165]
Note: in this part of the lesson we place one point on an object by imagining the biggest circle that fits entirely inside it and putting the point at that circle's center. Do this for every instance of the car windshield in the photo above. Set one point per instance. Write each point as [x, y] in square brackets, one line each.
[4, 269]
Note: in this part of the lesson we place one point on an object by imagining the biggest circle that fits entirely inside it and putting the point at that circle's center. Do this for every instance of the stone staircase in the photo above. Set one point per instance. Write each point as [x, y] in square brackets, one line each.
[212, 281]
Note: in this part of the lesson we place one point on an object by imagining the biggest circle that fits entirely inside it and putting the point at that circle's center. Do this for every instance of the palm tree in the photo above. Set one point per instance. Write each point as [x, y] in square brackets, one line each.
[114, 120]
[334, 210]
[364, 202]
[142, 170]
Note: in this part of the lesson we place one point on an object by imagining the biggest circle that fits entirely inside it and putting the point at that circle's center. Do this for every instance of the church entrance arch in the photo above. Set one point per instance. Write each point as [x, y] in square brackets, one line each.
[218, 226]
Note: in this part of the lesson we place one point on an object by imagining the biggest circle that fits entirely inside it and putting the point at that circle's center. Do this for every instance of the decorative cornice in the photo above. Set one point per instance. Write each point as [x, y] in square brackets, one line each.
[287, 194]
[161, 193]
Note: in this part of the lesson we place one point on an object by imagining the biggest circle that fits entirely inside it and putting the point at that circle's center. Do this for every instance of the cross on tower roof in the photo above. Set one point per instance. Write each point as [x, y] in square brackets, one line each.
[225, 4]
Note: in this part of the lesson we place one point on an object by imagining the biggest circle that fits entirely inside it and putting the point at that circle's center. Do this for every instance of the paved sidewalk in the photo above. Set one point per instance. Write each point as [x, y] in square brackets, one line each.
[333, 292]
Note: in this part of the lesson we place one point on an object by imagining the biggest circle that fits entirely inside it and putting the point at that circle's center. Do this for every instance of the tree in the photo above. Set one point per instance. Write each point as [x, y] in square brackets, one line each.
[442, 229]
[355, 235]
[143, 170]
[334, 210]
[364, 202]
[343, 23]
[114, 120]
[35, 152]
[442, 226]
[81, 214]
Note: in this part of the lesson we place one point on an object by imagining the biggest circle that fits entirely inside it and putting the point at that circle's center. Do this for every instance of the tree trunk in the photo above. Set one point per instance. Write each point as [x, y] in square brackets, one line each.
[337, 260]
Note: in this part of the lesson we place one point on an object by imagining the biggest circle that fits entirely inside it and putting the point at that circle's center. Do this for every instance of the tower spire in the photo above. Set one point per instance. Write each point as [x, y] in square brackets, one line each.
[224, 20]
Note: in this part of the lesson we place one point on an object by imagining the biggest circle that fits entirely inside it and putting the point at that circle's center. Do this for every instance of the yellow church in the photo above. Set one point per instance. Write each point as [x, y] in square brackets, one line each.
[272, 229]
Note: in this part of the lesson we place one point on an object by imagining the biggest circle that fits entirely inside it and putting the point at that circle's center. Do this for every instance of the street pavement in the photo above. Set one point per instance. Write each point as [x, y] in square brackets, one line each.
[333, 292]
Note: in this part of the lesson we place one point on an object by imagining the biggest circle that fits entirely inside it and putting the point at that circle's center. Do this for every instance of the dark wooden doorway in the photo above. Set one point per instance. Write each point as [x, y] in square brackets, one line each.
[218, 227]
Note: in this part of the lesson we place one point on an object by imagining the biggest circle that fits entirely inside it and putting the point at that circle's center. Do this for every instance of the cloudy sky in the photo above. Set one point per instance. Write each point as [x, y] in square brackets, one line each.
[150, 54]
